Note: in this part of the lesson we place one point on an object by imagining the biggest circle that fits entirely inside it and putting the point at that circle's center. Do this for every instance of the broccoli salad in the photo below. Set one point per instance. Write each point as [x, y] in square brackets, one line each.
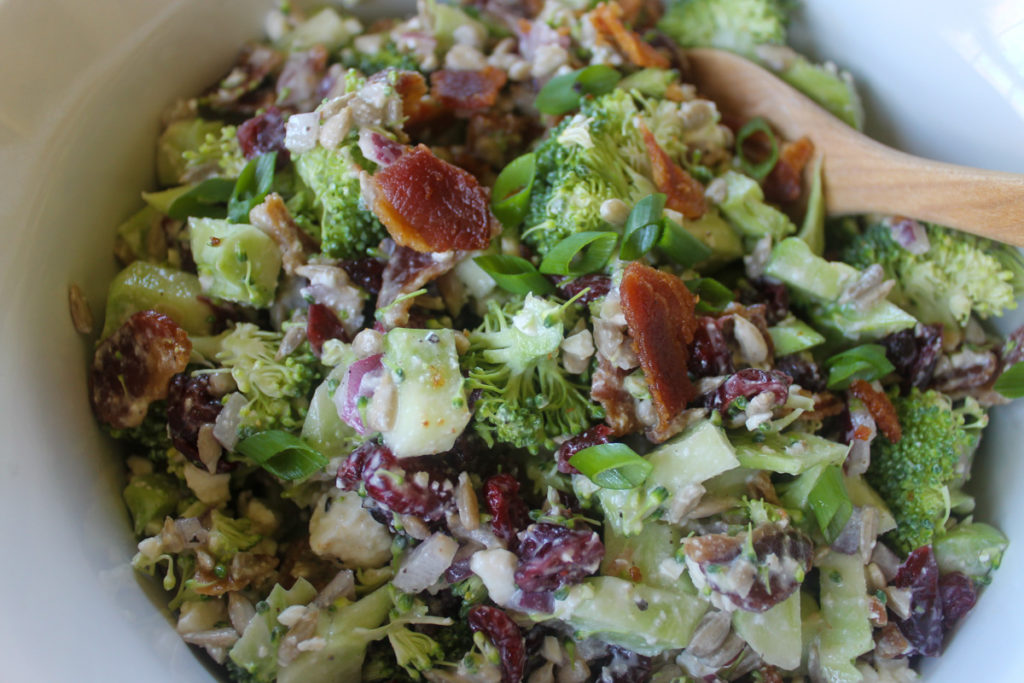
[476, 345]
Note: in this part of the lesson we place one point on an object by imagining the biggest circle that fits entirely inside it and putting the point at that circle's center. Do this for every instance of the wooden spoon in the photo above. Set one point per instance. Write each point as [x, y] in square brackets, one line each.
[861, 175]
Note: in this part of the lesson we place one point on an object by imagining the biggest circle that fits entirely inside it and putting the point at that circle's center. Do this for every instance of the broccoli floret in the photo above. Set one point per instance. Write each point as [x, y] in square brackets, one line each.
[240, 675]
[596, 155]
[527, 397]
[150, 497]
[191, 150]
[414, 651]
[914, 475]
[958, 275]
[348, 229]
[388, 57]
[149, 439]
[229, 536]
[736, 25]
[277, 390]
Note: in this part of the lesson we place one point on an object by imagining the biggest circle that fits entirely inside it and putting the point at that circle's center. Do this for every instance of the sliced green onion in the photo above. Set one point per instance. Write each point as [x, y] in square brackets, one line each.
[579, 254]
[677, 244]
[643, 227]
[284, 455]
[252, 187]
[511, 195]
[714, 296]
[514, 274]
[563, 93]
[612, 465]
[830, 502]
[867, 362]
[1011, 383]
[205, 200]
[760, 169]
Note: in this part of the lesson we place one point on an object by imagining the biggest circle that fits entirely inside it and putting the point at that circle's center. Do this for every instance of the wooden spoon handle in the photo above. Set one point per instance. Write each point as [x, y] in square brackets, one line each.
[876, 178]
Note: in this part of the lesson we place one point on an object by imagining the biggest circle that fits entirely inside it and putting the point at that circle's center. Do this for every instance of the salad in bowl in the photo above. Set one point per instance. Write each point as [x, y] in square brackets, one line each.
[477, 345]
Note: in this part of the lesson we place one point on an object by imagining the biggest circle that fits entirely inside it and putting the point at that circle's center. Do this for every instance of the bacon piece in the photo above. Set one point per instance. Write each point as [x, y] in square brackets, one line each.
[273, 218]
[467, 91]
[299, 83]
[133, 367]
[406, 271]
[783, 183]
[607, 19]
[619, 408]
[683, 192]
[659, 312]
[880, 407]
[429, 205]
[412, 87]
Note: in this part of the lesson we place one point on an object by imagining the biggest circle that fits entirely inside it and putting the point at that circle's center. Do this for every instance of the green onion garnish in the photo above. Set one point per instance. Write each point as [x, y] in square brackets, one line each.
[284, 455]
[612, 465]
[643, 227]
[514, 274]
[205, 200]
[714, 296]
[579, 254]
[760, 169]
[867, 362]
[1011, 383]
[252, 186]
[677, 244]
[830, 502]
[563, 93]
[511, 195]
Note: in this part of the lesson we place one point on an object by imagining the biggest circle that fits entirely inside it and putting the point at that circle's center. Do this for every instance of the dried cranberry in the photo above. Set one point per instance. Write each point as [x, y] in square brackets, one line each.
[625, 666]
[923, 628]
[397, 484]
[190, 405]
[505, 635]
[596, 435]
[748, 383]
[710, 355]
[262, 133]
[366, 273]
[772, 293]
[958, 597]
[508, 511]
[914, 353]
[596, 286]
[323, 324]
[805, 371]
[552, 556]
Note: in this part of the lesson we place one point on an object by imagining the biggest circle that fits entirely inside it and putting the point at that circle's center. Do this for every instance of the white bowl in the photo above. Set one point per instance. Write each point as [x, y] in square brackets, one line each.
[82, 87]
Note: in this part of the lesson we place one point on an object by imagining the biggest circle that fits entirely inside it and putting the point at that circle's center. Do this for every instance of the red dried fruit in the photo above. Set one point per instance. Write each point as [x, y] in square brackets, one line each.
[914, 353]
[683, 192]
[958, 597]
[393, 483]
[804, 371]
[710, 355]
[190, 405]
[508, 511]
[506, 637]
[262, 133]
[748, 383]
[923, 628]
[366, 273]
[322, 324]
[596, 435]
[552, 556]
[595, 286]
[465, 90]
[659, 311]
[880, 407]
[429, 205]
[134, 366]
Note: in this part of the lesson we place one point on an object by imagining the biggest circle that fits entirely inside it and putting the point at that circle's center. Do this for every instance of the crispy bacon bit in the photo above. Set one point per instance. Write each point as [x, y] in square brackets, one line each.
[406, 271]
[683, 192]
[619, 408]
[134, 366]
[880, 407]
[273, 218]
[411, 86]
[431, 206]
[240, 91]
[607, 19]
[467, 91]
[641, 12]
[659, 312]
[784, 184]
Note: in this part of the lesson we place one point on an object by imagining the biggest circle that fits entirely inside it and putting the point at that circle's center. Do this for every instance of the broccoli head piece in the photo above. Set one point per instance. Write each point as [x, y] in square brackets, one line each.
[229, 536]
[191, 150]
[149, 439]
[527, 397]
[277, 390]
[387, 57]
[348, 229]
[736, 25]
[915, 474]
[589, 158]
[958, 275]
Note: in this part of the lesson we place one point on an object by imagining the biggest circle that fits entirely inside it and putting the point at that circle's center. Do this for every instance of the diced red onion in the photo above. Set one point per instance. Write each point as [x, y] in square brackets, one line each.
[910, 235]
[425, 564]
[360, 380]
[378, 148]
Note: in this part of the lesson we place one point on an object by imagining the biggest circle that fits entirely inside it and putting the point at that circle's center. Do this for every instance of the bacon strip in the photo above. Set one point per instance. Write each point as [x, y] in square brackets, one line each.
[429, 205]
[659, 312]
[784, 182]
[880, 407]
[607, 19]
[682, 191]
[417, 107]
[467, 91]
[133, 367]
